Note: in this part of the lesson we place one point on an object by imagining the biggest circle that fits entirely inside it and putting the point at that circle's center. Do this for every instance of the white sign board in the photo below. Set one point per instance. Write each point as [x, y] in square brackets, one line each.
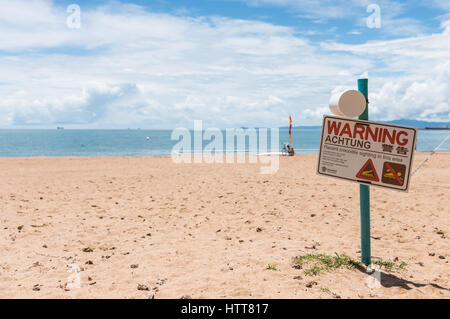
[367, 152]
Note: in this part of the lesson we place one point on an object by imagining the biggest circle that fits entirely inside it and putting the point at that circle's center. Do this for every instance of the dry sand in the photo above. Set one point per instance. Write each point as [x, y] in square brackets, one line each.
[192, 229]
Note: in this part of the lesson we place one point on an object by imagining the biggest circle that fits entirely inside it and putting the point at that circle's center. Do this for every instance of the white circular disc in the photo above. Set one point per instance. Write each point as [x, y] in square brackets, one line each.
[349, 104]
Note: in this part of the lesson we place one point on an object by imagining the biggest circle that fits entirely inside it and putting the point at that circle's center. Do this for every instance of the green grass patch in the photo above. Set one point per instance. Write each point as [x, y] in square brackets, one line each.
[389, 265]
[325, 290]
[271, 267]
[314, 264]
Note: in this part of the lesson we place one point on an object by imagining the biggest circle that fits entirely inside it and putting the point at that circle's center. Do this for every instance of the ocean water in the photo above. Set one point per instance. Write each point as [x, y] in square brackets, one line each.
[28, 143]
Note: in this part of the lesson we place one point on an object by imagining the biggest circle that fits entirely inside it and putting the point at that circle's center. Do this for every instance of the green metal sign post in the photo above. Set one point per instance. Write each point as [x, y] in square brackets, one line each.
[364, 192]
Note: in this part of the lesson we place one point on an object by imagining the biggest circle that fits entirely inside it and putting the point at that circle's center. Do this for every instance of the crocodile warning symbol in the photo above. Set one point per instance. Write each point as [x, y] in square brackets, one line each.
[393, 173]
[368, 172]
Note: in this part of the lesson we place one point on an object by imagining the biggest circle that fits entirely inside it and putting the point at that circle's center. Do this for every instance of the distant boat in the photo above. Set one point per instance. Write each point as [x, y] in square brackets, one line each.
[60, 128]
[438, 128]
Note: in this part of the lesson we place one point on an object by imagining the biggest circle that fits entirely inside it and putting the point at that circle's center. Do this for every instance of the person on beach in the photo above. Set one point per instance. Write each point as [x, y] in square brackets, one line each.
[291, 151]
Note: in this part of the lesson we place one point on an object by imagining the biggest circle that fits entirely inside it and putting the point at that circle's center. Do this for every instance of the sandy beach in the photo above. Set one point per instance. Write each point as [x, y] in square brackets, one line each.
[212, 230]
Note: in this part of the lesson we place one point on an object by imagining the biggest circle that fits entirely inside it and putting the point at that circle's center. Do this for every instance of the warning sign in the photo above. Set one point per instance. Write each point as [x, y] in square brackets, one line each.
[368, 172]
[367, 152]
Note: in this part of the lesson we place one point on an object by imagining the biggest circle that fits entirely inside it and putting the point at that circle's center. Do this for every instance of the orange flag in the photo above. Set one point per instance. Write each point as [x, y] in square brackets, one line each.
[290, 130]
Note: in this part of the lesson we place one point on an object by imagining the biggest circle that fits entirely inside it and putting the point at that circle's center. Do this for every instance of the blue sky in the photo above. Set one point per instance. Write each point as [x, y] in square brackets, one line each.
[419, 16]
[166, 63]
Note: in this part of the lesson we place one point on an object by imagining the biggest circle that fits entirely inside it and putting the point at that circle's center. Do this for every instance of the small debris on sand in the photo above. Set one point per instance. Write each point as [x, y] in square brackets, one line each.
[161, 282]
[142, 287]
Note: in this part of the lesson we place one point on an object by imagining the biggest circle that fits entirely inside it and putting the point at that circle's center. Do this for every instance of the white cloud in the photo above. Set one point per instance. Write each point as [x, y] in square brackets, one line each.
[331, 9]
[444, 5]
[418, 81]
[392, 19]
[130, 68]
[310, 8]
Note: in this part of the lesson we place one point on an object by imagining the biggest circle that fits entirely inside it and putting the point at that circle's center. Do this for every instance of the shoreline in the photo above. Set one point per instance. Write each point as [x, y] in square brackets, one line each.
[169, 156]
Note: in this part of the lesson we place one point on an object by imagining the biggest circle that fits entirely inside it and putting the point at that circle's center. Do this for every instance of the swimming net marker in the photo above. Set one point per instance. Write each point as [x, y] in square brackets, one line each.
[431, 154]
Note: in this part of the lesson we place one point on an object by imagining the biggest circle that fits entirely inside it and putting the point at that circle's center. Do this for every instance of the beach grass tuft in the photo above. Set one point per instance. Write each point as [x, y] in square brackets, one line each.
[271, 267]
[314, 264]
[318, 263]
[325, 290]
[389, 265]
